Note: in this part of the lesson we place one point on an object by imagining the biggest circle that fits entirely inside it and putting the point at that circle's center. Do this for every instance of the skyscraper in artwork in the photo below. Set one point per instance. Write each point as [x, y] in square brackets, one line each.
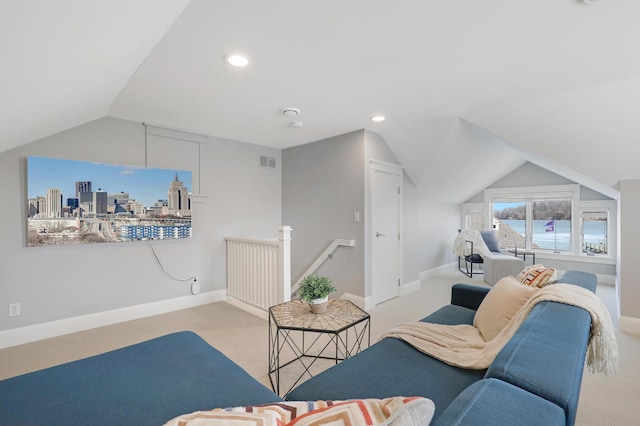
[178, 197]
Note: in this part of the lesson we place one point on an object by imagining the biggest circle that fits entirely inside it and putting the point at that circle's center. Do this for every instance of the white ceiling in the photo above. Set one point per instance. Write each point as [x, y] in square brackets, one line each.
[550, 79]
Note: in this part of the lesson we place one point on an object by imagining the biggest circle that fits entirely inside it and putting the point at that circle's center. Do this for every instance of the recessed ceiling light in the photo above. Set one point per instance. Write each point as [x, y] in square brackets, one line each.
[378, 118]
[236, 60]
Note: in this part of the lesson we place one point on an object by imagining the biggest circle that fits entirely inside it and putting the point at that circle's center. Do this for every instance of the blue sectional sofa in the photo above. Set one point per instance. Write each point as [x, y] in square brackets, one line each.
[148, 383]
[534, 380]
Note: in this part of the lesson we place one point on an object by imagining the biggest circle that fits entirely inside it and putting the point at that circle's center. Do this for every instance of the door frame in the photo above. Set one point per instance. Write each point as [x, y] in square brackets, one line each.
[397, 170]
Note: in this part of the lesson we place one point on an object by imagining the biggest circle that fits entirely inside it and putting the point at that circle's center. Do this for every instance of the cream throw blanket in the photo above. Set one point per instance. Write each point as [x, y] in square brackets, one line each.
[463, 345]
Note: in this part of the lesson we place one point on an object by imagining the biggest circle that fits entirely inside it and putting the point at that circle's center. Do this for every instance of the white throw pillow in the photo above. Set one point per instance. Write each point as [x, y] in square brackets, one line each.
[500, 305]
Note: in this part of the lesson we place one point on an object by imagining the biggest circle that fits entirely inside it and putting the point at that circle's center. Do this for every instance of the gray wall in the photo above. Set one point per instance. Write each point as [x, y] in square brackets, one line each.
[629, 235]
[531, 175]
[322, 185]
[54, 283]
[376, 148]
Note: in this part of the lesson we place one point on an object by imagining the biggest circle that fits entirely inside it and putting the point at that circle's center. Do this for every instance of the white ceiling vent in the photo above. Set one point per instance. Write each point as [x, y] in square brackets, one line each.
[267, 162]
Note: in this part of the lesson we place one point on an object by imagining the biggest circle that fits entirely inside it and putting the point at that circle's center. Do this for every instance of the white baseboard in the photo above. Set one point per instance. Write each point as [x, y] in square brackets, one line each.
[409, 288]
[447, 267]
[606, 279]
[367, 303]
[359, 301]
[629, 325]
[248, 308]
[32, 333]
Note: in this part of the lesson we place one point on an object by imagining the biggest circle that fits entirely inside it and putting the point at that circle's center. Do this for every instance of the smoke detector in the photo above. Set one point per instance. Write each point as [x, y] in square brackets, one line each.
[290, 112]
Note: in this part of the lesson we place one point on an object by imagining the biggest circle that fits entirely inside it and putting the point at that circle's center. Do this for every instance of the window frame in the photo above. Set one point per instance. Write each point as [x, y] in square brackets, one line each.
[612, 224]
[537, 193]
[577, 207]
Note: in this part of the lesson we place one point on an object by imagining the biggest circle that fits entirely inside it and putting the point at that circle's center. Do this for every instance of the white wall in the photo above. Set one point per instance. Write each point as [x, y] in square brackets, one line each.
[430, 227]
[53, 283]
[628, 278]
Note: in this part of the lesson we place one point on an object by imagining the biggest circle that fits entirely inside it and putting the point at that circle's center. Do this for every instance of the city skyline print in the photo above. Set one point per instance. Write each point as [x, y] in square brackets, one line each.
[77, 202]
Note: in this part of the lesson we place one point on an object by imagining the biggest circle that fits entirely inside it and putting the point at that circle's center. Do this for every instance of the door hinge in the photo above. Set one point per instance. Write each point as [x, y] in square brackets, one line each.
[398, 282]
[398, 190]
[398, 236]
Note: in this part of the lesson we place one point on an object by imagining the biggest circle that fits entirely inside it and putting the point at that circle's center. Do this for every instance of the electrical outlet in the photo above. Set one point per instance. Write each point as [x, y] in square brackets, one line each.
[195, 287]
[14, 309]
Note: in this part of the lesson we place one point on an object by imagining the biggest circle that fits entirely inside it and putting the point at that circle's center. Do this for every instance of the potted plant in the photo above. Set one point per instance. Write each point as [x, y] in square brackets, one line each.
[315, 290]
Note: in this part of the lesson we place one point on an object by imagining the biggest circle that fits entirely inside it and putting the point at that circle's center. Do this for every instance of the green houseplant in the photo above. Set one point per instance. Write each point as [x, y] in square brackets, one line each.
[315, 290]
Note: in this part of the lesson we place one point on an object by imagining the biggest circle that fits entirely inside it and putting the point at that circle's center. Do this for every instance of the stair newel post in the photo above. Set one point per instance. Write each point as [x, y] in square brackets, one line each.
[284, 264]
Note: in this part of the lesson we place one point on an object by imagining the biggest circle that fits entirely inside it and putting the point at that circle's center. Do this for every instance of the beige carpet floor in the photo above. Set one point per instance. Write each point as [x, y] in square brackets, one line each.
[604, 400]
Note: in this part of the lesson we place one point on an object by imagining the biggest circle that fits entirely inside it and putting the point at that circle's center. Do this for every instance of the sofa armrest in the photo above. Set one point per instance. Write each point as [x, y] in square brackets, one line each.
[468, 295]
[494, 402]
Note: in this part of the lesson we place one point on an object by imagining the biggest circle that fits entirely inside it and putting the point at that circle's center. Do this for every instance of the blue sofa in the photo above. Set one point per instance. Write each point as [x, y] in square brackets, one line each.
[148, 383]
[534, 380]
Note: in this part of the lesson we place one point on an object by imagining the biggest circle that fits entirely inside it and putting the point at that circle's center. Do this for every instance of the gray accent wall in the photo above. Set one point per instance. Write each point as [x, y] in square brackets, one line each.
[322, 186]
[531, 175]
[53, 283]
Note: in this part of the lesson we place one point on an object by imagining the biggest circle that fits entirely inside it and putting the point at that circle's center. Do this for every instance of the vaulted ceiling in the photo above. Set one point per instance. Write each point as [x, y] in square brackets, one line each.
[555, 82]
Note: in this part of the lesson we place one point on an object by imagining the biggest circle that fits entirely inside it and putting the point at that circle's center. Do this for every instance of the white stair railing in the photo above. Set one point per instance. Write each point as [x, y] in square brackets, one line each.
[328, 253]
[259, 272]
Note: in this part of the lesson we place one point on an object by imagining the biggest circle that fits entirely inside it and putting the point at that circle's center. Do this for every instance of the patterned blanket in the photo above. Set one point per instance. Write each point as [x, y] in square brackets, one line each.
[395, 411]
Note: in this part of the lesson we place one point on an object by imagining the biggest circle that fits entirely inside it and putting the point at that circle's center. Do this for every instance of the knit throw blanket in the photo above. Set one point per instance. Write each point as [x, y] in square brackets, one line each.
[463, 345]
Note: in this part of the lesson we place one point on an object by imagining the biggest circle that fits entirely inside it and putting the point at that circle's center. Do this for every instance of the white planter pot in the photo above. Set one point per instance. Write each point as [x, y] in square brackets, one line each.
[319, 306]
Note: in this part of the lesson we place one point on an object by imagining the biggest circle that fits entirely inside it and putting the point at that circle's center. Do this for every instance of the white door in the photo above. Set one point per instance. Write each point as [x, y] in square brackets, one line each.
[386, 230]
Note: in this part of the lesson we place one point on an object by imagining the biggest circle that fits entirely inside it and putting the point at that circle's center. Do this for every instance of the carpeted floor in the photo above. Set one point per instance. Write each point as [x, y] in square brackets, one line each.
[604, 400]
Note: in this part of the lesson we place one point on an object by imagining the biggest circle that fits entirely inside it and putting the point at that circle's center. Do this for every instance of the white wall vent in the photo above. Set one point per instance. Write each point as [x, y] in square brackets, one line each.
[267, 162]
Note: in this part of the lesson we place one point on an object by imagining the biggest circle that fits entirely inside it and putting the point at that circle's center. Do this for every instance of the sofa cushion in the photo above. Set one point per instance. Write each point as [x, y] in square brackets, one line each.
[537, 275]
[580, 278]
[484, 402]
[491, 240]
[500, 305]
[451, 315]
[146, 383]
[551, 331]
[388, 368]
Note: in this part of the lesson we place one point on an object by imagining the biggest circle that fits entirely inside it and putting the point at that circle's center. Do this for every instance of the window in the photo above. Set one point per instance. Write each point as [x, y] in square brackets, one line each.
[538, 218]
[473, 216]
[549, 219]
[594, 231]
[552, 225]
[509, 222]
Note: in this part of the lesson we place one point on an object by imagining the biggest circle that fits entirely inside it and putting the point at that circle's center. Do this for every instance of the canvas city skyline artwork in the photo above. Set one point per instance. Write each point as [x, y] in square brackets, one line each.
[78, 202]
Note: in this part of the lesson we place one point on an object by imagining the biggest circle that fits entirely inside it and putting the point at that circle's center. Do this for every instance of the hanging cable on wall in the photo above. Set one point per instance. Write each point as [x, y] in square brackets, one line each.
[155, 255]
